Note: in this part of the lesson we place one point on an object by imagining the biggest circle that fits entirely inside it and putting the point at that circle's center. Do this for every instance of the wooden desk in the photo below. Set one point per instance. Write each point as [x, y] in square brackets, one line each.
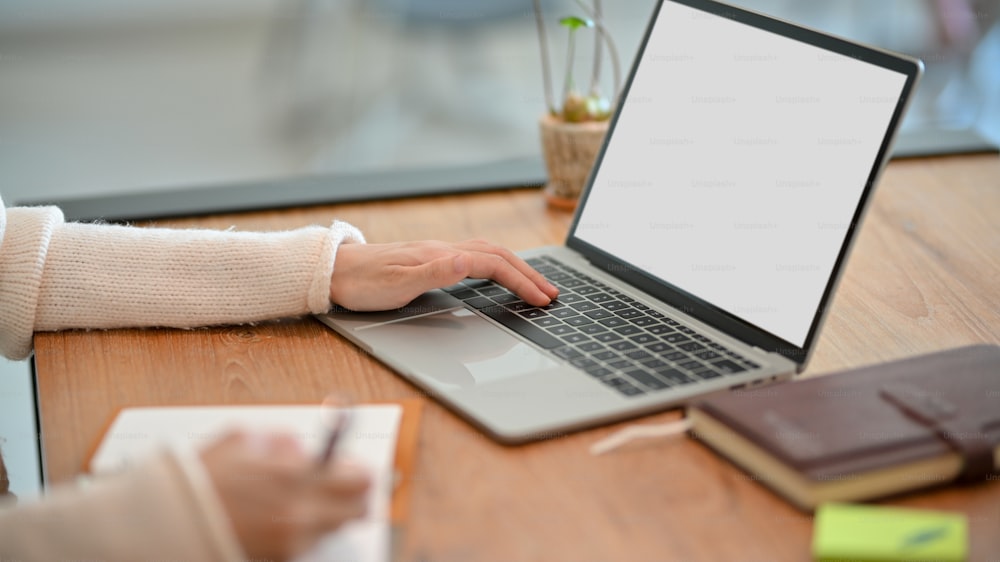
[925, 275]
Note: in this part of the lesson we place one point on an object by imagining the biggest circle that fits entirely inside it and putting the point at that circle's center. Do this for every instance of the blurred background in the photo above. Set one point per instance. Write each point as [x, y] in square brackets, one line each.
[115, 98]
[110, 96]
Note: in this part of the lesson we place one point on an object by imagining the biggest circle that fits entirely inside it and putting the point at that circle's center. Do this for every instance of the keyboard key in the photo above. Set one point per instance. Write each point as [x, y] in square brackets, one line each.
[707, 354]
[474, 283]
[481, 302]
[561, 330]
[465, 293]
[676, 338]
[613, 322]
[583, 363]
[518, 306]
[654, 364]
[533, 313]
[607, 337]
[627, 330]
[567, 352]
[622, 345]
[455, 288]
[675, 356]
[643, 338]
[628, 390]
[691, 346]
[708, 374]
[522, 327]
[647, 379]
[629, 313]
[592, 328]
[728, 367]
[638, 355]
[586, 290]
[575, 337]
[606, 356]
[492, 291]
[621, 364]
[590, 347]
[563, 312]
[600, 297]
[546, 320]
[583, 306]
[578, 321]
[674, 376]
[599, 314]
[505, 298]
[569, 298]
[598, 371]
[570, 283]
[659, 329]
[660, 347]
[690, 365]
[614, 305]
[645, 321]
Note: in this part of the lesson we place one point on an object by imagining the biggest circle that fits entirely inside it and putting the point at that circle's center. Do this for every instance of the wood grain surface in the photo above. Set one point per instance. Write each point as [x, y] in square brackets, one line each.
[924, 275]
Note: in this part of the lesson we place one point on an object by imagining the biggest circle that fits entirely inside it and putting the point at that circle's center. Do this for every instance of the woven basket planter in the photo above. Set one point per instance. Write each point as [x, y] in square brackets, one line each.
[569, 150]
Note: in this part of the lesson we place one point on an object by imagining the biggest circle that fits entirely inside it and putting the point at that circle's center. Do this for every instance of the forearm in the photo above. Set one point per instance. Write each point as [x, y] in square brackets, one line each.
[164, 509]
[102, 276]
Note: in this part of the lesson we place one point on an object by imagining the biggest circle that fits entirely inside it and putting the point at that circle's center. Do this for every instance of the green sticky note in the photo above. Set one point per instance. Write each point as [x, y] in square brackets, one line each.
[866, 533]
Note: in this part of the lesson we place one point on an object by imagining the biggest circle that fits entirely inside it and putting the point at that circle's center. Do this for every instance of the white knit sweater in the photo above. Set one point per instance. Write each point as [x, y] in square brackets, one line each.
[56, 275]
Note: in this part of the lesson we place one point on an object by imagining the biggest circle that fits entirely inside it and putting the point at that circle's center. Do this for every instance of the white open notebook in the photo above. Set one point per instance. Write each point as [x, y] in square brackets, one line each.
[370, 440]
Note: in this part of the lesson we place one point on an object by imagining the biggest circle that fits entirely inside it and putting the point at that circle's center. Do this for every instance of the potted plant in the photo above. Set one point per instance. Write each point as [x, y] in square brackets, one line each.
[574, 127]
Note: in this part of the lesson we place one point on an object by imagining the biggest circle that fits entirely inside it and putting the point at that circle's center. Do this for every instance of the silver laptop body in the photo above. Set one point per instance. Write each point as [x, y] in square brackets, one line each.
[705, 249]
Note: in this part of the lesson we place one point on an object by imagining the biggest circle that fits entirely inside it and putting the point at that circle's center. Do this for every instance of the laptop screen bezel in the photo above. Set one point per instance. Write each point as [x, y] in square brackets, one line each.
[693, 305]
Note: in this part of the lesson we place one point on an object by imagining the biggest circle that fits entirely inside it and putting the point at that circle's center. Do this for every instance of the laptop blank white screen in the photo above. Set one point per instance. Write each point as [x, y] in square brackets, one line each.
[737, 164]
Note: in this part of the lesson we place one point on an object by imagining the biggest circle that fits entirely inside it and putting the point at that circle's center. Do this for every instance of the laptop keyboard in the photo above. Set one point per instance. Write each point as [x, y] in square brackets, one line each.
[610, 336]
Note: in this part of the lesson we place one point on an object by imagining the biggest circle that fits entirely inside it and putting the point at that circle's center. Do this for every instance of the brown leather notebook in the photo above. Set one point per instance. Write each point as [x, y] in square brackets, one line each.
[867, 432]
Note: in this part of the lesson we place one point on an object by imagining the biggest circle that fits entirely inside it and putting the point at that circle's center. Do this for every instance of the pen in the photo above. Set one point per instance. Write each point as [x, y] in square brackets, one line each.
[336, 434]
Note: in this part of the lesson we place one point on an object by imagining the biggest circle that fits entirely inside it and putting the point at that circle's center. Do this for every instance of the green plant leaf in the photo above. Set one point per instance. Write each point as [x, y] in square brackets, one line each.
[574, 22]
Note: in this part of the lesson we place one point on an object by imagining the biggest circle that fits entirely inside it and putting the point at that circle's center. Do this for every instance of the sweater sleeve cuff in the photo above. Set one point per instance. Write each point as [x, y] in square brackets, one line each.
[319, 290]
[23, 248]
[203, 494]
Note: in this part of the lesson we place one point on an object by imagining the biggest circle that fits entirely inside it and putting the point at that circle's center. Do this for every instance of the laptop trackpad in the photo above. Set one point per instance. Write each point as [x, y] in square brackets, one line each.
[454, 349]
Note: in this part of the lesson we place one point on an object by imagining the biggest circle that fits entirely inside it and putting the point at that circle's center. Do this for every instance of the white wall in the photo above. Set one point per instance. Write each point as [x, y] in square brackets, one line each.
[62, 13]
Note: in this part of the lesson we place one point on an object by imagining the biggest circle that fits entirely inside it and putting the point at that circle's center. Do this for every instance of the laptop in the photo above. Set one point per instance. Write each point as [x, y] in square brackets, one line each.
[706, 246]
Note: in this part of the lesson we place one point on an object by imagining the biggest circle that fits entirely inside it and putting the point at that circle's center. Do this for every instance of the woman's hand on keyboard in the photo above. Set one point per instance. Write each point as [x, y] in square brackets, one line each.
[387, 276]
